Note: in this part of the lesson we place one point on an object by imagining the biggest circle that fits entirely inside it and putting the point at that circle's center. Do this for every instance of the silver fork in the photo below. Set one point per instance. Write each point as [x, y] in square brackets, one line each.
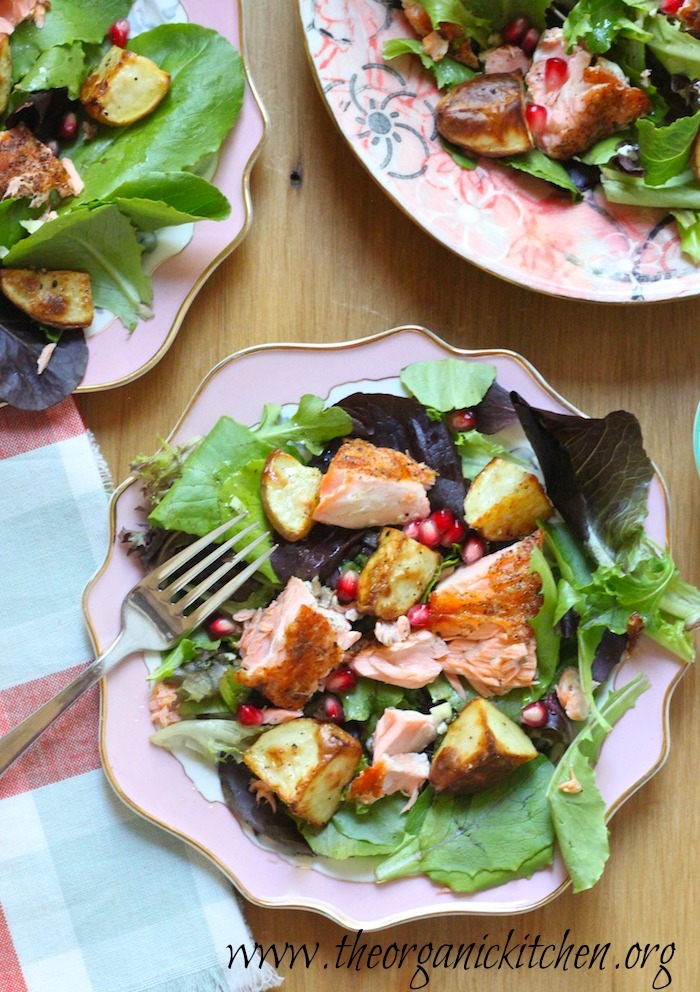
[151, 621]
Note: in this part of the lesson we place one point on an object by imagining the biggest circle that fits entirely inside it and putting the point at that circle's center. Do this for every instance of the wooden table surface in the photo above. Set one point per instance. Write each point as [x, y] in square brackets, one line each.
[329, 258]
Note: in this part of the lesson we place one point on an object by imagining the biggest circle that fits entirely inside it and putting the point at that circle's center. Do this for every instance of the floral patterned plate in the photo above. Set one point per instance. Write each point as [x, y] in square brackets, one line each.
[185, 256]
[508, 223]
[184, 799]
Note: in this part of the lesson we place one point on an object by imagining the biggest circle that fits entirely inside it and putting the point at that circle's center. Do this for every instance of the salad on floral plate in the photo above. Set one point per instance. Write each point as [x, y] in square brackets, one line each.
[127, 143]
[458, 661]
[553, 144]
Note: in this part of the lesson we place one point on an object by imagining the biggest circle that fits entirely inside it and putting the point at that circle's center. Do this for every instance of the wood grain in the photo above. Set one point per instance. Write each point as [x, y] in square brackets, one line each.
[329, 258]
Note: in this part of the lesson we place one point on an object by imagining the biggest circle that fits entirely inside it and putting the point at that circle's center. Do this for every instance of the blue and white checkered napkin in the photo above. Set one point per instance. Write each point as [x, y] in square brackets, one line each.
[92, 897]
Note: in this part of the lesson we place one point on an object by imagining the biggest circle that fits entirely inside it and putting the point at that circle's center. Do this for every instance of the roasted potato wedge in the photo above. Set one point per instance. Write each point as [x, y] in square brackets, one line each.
[289, 492]
[307, 764]
[486, 115]
[59, 297]
[123, 88]
[481, 747]
[504, 502]
[5, 72]
[396, 575]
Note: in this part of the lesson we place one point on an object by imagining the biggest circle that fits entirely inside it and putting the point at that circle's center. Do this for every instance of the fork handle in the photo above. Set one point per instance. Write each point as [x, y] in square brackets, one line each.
[21, 737]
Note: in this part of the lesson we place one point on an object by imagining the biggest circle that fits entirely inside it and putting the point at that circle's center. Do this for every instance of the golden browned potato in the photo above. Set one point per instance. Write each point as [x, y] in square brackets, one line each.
[396, 575]
[5, 72]
[59, 297]
[307, 764]
[481, 747]
[289, 492]
[486, 115]
[123, 88]
[504, 502]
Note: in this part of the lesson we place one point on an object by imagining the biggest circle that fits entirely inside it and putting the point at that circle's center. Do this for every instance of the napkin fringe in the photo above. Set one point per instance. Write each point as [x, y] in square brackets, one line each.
[102, 467]
[257, 979]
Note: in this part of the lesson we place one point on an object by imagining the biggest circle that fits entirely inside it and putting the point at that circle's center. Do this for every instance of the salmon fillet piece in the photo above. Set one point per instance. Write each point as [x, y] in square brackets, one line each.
[402, 732]
[493, 666]
[594, 101]
[689, 14]
[291, 646]
[13, 12]
[411, 663]
[406, 773]
[29, 169]
[368, 486]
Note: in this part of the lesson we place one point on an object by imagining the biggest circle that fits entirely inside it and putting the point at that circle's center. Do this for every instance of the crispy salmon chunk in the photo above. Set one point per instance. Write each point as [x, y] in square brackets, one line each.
[367, 486]
[593, 102]
[289, 647]
[29, 169]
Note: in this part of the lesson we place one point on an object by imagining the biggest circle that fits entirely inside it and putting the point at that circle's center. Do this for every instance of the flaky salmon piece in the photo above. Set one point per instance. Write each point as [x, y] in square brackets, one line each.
[506, 58]
[30, 170]
[368, 486]
[495, 665]
[411, 663]
[689, 14]
[402, 732]
[291, 645]
[594, 101]
[405, 773]
[13, 12]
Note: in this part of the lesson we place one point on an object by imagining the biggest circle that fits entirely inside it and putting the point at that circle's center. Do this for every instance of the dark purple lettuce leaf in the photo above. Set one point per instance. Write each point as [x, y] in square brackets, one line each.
[235, 781]
[319, 554]
[495, 411]
[610, 649]
[21, 343]
[402, 423]
[597, 475]
[42, 112]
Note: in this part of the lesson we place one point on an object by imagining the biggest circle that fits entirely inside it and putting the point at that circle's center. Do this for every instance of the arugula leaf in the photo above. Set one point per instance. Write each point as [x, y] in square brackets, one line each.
[579, 817]
[448, 384]
[472, 843]
[596, 23]
[665, 151]
[202, 104]
[101, 242]
[310, 425]
[448, 72]
[536, 163]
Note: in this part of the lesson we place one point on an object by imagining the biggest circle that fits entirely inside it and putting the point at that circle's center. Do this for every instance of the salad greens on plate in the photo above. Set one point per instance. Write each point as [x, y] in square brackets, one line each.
[584, 94]
[427, 688]
[133, 179]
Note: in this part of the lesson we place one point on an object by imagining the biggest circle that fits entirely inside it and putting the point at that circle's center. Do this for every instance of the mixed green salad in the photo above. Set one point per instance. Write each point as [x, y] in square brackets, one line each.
[598, 581]
[575, 62]
[135, 179]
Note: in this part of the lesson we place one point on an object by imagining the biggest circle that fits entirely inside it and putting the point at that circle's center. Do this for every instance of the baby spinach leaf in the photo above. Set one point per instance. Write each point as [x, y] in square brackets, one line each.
[22, 342]
[449, 384]
[101, 242]
[380, 829]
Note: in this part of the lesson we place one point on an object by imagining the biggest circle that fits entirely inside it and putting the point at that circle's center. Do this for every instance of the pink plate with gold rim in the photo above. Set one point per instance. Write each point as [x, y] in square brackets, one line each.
[512, 225]
[115, 355]
[156, 784]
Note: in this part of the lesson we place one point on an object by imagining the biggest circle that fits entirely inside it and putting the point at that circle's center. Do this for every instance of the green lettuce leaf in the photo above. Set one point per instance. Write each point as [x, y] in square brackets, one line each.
[448, 384]
[688, 222]
[209, 738]
[205, 97]
[458, 12]
[537, 164]
[579, 817]
[55, 68]
[547, 636]
[378, 829]
[681, 192]
[596, 23]
[472, 843]
[477, 450]
[101, 242]
[447, 72]
[499, 12]
[677, 51]
[665, 151]
[164, 199]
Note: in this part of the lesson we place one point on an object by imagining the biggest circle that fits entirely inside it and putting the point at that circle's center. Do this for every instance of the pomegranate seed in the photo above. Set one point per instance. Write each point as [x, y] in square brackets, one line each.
[428, 533]
[670, 7]
[341, 680]
[461, 420]
[530, 41]
[249, 715]
[474, 549]
[53, 147]
[119, 33]
[535, 715]
[514, 30]
[412, 529]
[443, 519]
[69, 127]
[419, 615]
[346, 588]
[222, 627]
[454, 534]
[330, 708]
[555, 73]
[536, 117]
